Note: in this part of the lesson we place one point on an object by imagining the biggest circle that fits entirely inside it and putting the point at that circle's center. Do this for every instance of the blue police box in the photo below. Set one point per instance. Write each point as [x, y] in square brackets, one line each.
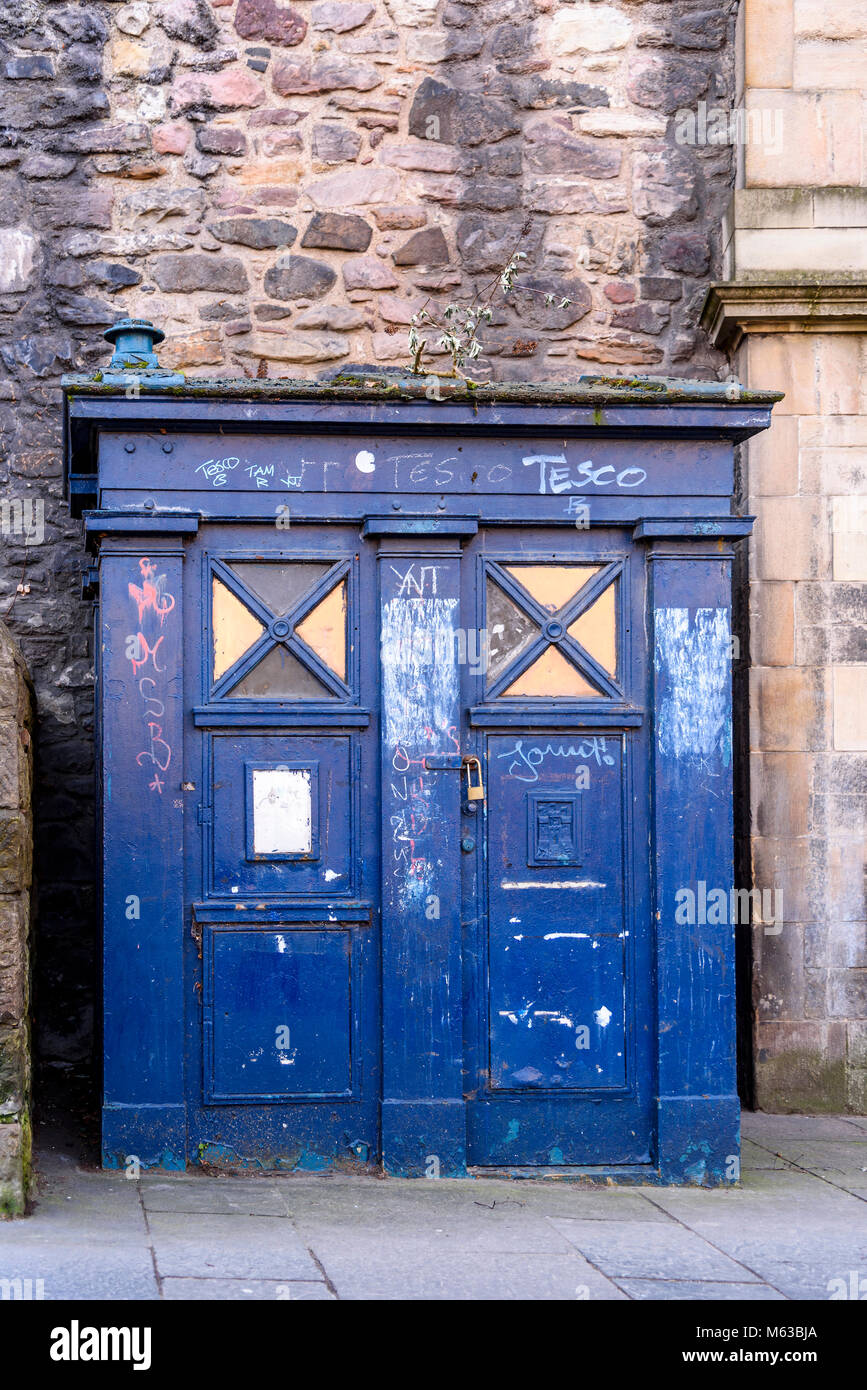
[414, 724]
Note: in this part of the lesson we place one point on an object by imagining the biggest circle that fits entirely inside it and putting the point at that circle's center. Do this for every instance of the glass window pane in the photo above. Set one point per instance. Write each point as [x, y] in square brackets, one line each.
[554, 677]
[280, 585]
[596, 630]
[552, 585]
[235, 628]
[324, 629]
[510, 631]
[280, 676]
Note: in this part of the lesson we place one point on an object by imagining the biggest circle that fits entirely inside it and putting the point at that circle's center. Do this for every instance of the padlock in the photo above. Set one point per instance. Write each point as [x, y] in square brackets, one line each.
[475, 790]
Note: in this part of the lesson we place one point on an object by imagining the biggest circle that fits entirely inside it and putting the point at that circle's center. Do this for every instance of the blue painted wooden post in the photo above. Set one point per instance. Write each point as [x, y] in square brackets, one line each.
[423, 1113]
[690, 602]
[141, 680]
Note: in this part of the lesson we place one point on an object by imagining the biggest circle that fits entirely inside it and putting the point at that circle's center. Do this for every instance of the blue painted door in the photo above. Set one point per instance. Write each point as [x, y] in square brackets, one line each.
[286, 698]
[282, 855]
[557, 935]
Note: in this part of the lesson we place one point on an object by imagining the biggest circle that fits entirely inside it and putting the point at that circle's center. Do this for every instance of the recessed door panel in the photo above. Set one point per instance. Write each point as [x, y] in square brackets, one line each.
[556, 911]
[282, 813]
[278, 1013]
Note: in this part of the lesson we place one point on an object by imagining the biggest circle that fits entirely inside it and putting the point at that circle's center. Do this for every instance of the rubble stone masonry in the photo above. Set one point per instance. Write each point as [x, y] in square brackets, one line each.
[16, 835]
[279, 186]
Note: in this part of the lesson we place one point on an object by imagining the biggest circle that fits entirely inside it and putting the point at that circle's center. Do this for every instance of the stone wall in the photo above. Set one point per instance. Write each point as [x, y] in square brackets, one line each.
[278, 187]
[794, 311]
[16, 835]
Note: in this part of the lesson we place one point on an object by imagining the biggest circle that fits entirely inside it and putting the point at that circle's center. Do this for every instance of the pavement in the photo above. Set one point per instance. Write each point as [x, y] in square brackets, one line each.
[795, 1229]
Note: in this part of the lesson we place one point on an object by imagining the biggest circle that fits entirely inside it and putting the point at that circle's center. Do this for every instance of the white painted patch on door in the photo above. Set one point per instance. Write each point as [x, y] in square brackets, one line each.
[282, 811]
[562, 883]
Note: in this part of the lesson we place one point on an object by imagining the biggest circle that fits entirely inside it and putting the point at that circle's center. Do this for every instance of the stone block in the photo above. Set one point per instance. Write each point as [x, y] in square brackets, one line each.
[780, 793]
[769, 42]
[265, 19]
[17, 259]
[830, 63]
[771, 207]
[773, 459]
[784, 362]
[299, 277]
[800, 250]
[588, 28]
[815, 146]
[772, 624]
[789, 709]
[200, 349]
[179, 274]
[850, 707]
[791, 538]
[849, 530]
[337, 231]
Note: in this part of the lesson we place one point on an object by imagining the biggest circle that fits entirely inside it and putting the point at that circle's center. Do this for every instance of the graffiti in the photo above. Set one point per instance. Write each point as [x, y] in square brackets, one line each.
[412, 823]
[153, 604]
[419, 700]
[557, 475]
[148, 596]
[526, 759]
[218, 470]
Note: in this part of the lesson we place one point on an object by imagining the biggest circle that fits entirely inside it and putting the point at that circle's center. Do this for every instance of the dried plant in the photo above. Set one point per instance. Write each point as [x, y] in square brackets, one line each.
[459, 326]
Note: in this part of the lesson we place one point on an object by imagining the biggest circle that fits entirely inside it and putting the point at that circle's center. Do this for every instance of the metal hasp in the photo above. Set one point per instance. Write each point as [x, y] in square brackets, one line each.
[317, 602]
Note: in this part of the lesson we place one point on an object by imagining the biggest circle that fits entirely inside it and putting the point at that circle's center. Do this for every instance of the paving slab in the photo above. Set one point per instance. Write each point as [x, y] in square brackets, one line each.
[834, 1159]
[85, 1270]
[755, 1124]
[655, 1250]
[691, 1291]
[229, 1247]
[415, 1271]
[246, 1290]
[216, 1196]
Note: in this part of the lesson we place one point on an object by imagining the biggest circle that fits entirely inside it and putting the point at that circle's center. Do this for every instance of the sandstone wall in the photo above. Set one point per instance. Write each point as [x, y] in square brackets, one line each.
[797, 303]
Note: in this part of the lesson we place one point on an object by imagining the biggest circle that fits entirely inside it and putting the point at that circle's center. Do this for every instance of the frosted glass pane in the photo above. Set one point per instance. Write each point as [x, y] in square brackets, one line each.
[552, 676]
[235, 628]
[552, 586]
[324, 629]
[279, 585]
[510, 631]
[280, 676]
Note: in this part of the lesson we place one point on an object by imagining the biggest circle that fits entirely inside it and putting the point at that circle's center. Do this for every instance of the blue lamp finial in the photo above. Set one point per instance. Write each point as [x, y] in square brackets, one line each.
[134, 341]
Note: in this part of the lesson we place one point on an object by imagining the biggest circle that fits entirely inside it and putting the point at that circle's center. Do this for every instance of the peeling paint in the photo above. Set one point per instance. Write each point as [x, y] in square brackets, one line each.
[693, 657]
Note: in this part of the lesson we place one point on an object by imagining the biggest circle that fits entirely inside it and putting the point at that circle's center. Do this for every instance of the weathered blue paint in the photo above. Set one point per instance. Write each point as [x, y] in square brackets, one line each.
[435, 984]
[140, 692]
[698, 1109]
[422, 1105]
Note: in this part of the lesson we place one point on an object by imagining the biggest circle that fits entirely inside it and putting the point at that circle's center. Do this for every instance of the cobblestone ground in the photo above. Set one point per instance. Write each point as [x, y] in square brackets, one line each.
[795, 1229]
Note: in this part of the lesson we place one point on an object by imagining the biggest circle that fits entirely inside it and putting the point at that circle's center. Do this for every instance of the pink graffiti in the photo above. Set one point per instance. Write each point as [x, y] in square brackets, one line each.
[149, 596]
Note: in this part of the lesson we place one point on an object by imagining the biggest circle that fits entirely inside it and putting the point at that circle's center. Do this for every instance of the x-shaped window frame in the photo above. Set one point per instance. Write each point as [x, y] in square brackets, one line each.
[251, 657]
[572, 649]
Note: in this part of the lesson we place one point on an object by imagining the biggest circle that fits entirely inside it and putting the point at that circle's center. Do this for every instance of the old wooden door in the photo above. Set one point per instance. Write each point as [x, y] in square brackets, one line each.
[558, 980]
[282, 878]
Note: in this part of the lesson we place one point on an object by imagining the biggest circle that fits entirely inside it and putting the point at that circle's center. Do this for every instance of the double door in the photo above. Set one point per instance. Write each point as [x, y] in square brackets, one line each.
[416, 878]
